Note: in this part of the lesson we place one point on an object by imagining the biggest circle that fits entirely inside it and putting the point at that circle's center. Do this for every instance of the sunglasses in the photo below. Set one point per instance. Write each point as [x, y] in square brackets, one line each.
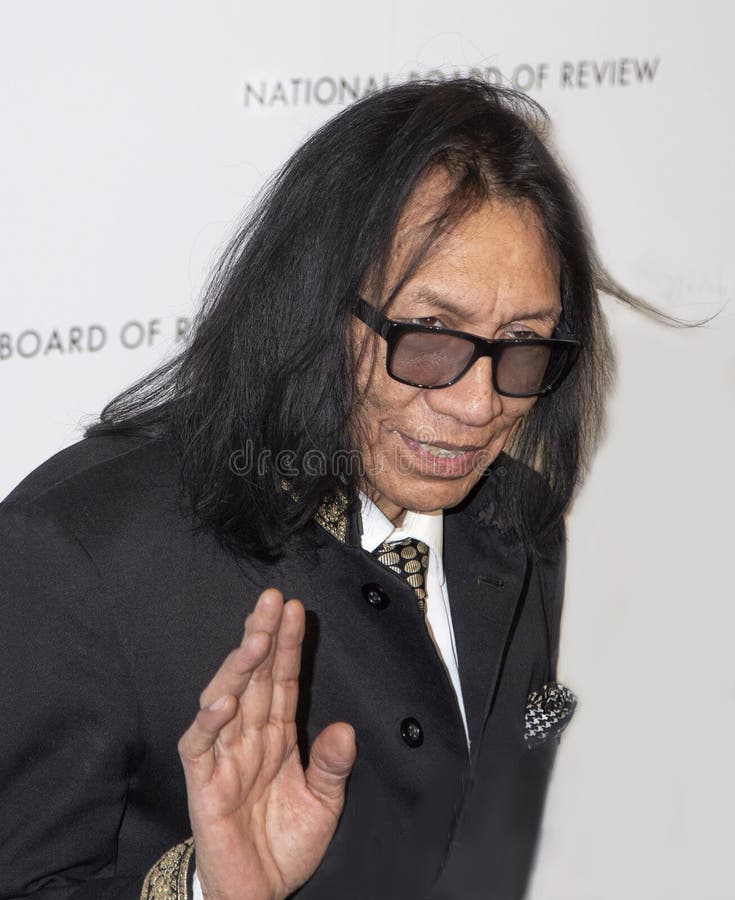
[424, 356]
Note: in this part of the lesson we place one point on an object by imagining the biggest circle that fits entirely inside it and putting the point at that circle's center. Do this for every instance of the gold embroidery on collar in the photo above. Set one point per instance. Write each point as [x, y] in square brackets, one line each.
[332, 514]
[332, 511]
[167, 879]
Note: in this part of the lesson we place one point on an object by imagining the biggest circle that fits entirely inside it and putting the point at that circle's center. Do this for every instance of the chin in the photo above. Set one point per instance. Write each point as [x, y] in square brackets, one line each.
[428, 496]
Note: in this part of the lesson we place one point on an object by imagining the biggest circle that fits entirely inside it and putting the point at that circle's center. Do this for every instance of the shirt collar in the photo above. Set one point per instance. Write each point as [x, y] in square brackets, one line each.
[378, 528]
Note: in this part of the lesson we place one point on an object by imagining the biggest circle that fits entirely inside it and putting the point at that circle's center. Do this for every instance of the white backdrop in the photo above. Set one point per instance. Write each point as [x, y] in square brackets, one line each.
[135, 133]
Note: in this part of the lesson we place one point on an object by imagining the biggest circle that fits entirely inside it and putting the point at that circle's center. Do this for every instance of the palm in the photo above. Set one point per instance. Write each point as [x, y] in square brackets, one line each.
[261, 824]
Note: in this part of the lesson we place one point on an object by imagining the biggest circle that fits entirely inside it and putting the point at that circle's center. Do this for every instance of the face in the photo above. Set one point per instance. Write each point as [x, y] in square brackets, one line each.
[494, 276]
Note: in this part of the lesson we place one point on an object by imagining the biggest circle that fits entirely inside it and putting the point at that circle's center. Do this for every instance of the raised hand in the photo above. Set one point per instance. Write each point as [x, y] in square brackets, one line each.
[261, 824]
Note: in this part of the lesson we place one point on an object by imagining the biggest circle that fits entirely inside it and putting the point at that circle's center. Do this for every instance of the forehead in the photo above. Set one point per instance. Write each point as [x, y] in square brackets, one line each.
[494, 258]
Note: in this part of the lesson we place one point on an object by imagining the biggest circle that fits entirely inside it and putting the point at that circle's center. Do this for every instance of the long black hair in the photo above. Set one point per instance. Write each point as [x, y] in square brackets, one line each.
[267, 375]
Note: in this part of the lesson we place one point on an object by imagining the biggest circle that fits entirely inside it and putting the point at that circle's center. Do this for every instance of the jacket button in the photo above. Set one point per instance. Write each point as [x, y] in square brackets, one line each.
[375, 596]
[412, 732]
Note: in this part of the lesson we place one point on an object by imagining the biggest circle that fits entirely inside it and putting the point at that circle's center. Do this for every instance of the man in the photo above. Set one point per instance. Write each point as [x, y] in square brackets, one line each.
[383, 411]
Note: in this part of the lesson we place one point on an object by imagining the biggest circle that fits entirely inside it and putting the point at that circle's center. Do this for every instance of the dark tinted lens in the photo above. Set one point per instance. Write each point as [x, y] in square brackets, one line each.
[526, 370]
[428, 359]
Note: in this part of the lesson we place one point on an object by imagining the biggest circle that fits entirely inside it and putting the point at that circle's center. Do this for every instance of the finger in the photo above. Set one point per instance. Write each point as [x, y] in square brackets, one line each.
[255, 703]
[196, 746]
[287, 663]
[330, 763]
[266, 615]
[233, 675]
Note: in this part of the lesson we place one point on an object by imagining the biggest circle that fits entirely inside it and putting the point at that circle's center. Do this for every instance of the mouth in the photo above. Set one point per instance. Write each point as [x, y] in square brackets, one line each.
[440, 458]
[444, 451]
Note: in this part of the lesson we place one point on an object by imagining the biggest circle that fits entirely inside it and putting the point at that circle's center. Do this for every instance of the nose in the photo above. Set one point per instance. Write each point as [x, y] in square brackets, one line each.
[472, 400]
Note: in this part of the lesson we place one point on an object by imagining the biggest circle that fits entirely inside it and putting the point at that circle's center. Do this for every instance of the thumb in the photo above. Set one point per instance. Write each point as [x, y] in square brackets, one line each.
[330, 763]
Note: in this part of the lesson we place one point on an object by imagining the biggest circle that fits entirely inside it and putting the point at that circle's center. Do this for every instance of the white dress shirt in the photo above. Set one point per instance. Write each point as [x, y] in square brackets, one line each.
[429, 528]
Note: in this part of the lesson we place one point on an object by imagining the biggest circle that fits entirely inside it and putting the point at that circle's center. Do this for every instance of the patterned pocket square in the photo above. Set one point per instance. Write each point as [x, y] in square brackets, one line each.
[548, 711]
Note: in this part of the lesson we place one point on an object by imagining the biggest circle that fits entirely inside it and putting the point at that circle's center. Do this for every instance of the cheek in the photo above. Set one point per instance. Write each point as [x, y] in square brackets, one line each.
[516, 408]
[504, 427]
[514, 414]
[376, 422]
[381, 404]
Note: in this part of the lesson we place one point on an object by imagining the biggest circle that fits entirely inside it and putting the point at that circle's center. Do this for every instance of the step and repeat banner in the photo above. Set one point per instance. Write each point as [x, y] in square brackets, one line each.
[134, 136]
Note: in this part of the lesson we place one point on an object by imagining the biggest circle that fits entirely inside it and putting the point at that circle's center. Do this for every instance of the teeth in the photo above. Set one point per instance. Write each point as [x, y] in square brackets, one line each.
[440, 451]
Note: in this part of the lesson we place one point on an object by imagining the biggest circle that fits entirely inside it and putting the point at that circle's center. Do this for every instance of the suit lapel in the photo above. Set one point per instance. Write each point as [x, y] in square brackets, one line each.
[486, 572]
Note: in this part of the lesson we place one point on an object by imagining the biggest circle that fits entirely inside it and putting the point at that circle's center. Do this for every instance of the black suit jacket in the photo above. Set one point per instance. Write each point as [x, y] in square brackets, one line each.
[116, 612]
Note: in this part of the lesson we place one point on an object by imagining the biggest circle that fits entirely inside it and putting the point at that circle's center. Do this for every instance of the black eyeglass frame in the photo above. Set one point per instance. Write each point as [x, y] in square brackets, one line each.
[392, 331]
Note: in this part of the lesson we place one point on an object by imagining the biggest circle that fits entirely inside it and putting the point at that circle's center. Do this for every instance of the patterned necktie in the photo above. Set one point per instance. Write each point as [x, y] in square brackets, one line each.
[408, 558]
